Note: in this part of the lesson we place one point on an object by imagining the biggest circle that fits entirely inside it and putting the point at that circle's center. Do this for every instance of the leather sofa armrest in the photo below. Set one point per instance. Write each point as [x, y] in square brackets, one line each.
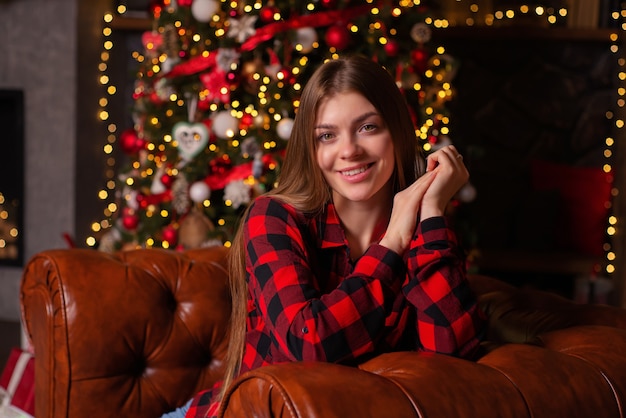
[578, 371]
[311, 389]
[131, 334]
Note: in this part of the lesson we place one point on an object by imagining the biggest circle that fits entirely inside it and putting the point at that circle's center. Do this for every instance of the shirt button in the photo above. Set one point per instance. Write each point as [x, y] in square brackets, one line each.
[305, 330]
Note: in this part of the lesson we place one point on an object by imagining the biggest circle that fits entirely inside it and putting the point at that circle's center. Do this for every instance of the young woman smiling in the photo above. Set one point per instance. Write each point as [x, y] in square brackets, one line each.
[350, 256]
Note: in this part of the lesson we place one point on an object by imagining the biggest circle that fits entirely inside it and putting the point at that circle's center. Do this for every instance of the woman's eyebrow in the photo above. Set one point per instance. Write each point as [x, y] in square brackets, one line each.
[324, 126]
[358, 119]
[365, 116]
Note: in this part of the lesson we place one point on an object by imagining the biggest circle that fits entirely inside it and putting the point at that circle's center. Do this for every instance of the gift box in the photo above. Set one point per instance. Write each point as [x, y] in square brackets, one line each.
[10, 411]
[17, 384]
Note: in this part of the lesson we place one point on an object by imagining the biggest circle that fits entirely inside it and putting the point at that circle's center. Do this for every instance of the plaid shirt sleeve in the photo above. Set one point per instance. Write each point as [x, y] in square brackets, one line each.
[448, 318]
[204, 404]
[305, 324]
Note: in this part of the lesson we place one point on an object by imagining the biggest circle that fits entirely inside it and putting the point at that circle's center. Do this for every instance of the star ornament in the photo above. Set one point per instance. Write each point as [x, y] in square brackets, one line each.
[242, 29]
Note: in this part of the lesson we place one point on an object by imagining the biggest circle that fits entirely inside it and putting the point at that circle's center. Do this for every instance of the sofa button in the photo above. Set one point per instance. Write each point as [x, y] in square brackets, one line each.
[305, 330]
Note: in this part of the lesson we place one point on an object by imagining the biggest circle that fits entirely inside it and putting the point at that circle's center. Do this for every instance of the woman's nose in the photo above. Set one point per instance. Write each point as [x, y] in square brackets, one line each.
[350, 147]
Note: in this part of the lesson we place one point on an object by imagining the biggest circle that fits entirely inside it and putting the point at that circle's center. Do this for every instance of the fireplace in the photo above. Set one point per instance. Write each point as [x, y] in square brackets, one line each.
[11, 176]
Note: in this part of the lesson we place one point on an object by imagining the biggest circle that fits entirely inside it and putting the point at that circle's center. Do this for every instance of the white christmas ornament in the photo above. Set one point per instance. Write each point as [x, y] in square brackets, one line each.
[242, 28]
[227, 58]
[157, 186]
[284, 127]
[467, 193]
[199, 191]
[238, 193]
[131, 198]
[306, 37]
[169, 64]
[109, 239]
[191, 139]
[421, 33]
[259, 119]
[225, 125]
[447, 67]
[204, 10]
[163, 89]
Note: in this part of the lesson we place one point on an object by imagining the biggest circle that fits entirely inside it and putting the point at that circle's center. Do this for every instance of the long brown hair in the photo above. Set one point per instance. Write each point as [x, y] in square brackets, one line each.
[301, 182]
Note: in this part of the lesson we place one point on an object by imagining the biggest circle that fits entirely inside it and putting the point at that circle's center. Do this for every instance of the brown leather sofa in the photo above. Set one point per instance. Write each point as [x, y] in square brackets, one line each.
[137, 333]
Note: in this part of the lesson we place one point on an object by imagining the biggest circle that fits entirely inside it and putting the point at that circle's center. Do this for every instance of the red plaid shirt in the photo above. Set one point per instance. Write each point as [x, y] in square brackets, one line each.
[309, 302]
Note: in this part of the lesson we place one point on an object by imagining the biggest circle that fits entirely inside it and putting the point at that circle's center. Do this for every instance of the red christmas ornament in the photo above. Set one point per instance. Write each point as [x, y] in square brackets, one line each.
[130, 222]
[142, 201]
[156, 7]
[419, 58]
[338, 37]
[155, 99]
[232, 77]
[220, 165]
[246, 120]
[329, 4]
[130, 141]
[267, 14]
[170, 234]
[167, 180]
[185, 3]
[392, 48]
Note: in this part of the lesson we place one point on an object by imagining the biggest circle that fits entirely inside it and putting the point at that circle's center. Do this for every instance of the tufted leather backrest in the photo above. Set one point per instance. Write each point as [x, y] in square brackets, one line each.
[137, 332]
[521, 315]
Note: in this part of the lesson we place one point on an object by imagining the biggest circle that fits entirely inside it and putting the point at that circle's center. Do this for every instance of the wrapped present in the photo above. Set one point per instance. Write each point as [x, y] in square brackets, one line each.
[10, 411]
[17, 385]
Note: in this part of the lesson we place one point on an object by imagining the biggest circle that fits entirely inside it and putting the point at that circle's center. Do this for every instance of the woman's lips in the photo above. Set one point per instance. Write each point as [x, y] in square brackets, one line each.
[357, 173]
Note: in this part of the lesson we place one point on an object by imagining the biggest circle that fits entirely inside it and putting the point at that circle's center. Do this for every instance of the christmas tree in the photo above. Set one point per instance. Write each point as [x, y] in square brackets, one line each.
[216, 92]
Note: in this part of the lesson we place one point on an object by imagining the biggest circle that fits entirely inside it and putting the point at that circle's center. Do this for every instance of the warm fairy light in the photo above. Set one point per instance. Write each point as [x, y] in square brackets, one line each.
[551, 15]
[103, 115]
[614, 221]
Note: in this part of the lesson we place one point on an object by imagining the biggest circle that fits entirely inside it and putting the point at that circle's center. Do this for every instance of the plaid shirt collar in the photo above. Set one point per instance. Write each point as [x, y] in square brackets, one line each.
[330, 233]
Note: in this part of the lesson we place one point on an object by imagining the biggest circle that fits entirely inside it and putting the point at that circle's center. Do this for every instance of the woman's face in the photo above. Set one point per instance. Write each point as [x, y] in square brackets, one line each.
[354, 148]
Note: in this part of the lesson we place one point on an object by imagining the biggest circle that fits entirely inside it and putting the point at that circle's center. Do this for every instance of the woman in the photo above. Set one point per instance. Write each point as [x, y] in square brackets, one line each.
[350, 256]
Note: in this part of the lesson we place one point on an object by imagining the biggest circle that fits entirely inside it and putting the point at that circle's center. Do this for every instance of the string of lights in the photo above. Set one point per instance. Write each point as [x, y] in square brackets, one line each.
[616, 39]
[473, 15]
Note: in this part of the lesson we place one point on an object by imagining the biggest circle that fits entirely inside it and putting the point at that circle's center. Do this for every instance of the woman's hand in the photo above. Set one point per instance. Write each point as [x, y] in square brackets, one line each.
[452, 174]
[403, 220]
[429, 195]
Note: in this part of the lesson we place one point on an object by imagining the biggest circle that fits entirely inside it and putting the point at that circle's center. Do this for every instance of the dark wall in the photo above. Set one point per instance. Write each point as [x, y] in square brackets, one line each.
[520, 103]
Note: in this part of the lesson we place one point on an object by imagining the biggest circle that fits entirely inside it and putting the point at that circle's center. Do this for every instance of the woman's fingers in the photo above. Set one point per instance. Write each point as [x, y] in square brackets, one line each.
[406, 205]
[451, 176]
[445, 154]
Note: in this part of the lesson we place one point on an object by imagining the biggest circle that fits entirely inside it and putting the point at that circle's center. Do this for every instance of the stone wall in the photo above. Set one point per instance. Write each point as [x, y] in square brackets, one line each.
[38, 55]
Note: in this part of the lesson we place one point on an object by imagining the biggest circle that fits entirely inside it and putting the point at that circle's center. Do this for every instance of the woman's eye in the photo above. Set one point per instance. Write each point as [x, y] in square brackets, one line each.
[325, 137]
[368, 127]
